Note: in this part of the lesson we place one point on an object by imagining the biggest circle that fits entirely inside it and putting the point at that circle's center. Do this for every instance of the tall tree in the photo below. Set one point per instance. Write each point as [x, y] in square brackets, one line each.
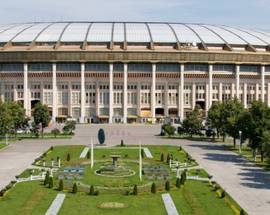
[192, 125]
[257, 125]
[41, 116]
[6, 122]
[18, 115]
[214, 117]
[231, 113]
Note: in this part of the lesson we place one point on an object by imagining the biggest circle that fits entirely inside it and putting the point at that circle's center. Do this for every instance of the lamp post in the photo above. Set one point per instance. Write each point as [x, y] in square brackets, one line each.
[240, 143]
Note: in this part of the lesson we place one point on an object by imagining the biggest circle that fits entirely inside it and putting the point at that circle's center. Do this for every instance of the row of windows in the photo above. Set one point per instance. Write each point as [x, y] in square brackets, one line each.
[132, 67]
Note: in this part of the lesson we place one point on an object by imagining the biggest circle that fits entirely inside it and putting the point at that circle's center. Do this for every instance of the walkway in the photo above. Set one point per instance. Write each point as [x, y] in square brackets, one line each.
[246, 183]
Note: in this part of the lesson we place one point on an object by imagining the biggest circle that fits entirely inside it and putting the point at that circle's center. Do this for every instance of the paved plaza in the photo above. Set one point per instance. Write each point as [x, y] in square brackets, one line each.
[246, 183]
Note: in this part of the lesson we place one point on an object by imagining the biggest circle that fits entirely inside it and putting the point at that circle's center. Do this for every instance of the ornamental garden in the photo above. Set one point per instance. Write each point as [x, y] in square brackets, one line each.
[97, 179]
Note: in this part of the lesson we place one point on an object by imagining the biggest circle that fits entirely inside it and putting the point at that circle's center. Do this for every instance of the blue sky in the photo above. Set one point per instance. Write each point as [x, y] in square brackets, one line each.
[244, 13]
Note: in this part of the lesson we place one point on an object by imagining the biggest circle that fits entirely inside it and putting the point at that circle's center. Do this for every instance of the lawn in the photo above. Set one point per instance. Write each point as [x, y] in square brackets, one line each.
[28, 198]
[194, 198]
[2, 145]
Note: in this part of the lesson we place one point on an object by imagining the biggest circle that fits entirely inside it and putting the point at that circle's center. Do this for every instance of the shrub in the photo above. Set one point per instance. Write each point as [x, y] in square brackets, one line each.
[88, 155]
[96, 193]
[92, 190]
[135, 190]
[51, 149]
[169, 157]
[2, 192]
[169, 129]
[180, 148]
[122, 143]
[242, 212]
[47, 178]
[142, 153]
[69, 127]
[183, 177]
[51, 182]
[167, 185]
[127, 192]
[222, 194]
[153, 188]
[75, 188]
[55, 132]
[162, 157]
[101, 136]
[61, 185]
[180, 130]
[68, 157]
[178, 183]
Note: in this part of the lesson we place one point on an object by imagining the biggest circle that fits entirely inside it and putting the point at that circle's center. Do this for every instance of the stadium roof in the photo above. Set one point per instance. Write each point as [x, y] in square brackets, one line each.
[132, 32]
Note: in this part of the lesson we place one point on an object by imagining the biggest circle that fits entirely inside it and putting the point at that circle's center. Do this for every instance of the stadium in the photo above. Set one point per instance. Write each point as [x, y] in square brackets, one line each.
[125, 72]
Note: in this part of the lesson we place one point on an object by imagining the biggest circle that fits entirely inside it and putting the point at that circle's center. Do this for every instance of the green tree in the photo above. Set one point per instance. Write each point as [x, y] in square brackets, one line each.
[167, 185]
[61, 185]
[92, 190]
[257, 127]
[192, 125]
[153, 188]
[162, 157]
[168, 129]
[68, 157]
[55, 132]
[231, 114]
[214, 117]
[88, 155]
[47, 178]
[6, 122]
[18, 115]
[135, 190]
[51, 182]
[178, 182]
[183, 177]
[75, 188]
[69, 127]
[101, 136]
[41, 116]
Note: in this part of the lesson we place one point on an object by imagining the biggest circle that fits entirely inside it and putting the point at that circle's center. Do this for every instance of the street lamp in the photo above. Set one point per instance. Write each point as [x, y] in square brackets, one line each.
[240, 144]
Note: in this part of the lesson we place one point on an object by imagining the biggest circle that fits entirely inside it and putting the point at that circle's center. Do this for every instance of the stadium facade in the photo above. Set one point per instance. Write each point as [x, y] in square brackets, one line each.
[131, 72]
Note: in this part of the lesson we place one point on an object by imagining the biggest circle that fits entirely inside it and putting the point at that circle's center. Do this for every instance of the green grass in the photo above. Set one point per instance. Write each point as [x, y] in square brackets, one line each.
[28, 198]
[200, 172]
[26, 173]
[197, 198]
[2, 145]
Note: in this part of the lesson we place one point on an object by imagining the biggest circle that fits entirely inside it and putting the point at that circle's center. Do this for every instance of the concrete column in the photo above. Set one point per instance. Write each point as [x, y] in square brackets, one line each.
[220, 92]
[15, 94]
[153, 91]
[70, 99]
[111, 94]
[210, 85]
[268, 94]
[257, 92]
[233, 90]
[245, 95]
[139, 99]
[181, 93]
[125, 93]
[166, 100]
[262, 83]
[54, 92]
[2, 85]
[237, 78]
[82, 119]
[26, 90]
[97, 99]
[207, 96]
[193, 95]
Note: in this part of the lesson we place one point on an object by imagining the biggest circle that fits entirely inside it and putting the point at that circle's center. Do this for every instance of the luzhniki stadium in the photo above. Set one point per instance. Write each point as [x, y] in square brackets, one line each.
[128, 72]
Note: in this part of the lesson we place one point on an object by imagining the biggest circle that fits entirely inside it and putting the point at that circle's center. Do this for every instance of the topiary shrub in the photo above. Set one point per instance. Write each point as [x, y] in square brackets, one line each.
[183, 177]
[162, 157]
[96, 193]
[178, 183]
[101, 136]
[61, 185]
[242, 212]
[222, 194]
[169, 157]
[169, 130]
[135, 190]
[55, 132]
[47, 178]
[68, 157]
[180, 148]
[88, 155]
[153, 188]
[167, 185]
[51, 182]
[92, 190]
[122, 143]
[75, 188]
